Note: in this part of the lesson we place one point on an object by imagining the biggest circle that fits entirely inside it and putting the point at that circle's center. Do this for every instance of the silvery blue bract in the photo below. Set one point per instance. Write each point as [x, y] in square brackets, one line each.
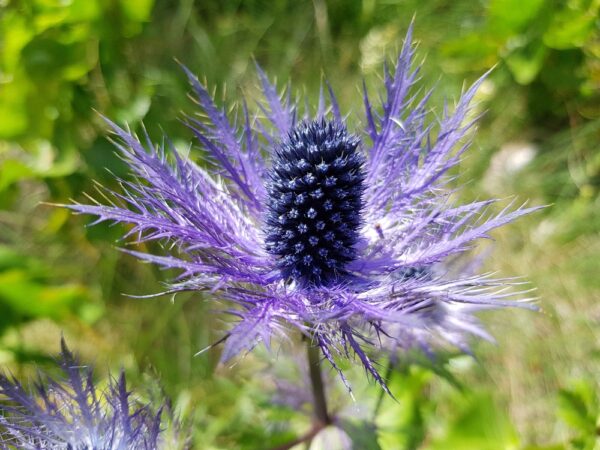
[72, 414]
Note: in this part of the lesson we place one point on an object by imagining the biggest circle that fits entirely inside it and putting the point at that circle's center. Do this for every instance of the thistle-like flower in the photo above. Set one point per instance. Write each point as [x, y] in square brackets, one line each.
[300, 223]
[73, 414]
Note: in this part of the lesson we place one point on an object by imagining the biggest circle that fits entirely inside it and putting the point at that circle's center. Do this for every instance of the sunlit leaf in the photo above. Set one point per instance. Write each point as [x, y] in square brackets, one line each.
[16, 33]
[477, 423]
[30, 298]
[572, 27]
[12, 171]
[13, 109]
[578, 407]
[526, 63]
[510, 16]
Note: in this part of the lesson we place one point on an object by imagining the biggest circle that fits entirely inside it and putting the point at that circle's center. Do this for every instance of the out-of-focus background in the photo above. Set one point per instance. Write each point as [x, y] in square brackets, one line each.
[63, 60]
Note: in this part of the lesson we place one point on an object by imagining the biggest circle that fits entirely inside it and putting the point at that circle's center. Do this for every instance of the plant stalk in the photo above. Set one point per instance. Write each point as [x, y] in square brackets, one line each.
[318, 388]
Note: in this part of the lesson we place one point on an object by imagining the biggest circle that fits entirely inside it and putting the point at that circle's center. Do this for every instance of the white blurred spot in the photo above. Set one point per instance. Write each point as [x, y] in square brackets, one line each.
[510, 160]
[543, 231]
[331, 437]
[373, 46]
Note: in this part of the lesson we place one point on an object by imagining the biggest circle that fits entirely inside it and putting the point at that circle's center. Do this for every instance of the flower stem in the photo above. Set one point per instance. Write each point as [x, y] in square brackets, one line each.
[316, 379]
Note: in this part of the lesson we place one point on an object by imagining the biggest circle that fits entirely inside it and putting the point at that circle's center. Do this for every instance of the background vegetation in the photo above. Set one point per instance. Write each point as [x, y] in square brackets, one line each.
[62, 60]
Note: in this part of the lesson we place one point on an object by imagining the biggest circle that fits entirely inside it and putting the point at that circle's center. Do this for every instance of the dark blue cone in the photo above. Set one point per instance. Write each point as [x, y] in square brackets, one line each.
[315, 201]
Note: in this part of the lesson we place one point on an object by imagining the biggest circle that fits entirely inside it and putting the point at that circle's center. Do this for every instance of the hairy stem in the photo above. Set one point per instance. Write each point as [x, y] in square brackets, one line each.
[316, 379]
[320, 402]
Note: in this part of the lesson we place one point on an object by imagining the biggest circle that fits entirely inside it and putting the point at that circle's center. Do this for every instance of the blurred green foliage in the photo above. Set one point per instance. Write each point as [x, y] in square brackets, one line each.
[579, 407]
[64, 61]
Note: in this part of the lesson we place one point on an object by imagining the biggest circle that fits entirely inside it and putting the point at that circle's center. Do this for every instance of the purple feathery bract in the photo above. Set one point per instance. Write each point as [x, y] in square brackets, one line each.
[300, 223]
[73, 414]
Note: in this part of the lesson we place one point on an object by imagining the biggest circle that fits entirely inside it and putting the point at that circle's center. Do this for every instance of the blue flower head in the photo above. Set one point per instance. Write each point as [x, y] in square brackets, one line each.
[300, 223]
[72, 414]
[314, 203]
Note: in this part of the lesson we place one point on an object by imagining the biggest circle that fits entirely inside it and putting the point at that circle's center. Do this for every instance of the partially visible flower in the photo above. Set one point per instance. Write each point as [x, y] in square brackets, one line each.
[300, 223]
[72, 414]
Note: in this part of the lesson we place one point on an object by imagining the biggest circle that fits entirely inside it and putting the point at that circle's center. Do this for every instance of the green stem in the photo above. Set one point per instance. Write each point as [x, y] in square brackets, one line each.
[318, 388]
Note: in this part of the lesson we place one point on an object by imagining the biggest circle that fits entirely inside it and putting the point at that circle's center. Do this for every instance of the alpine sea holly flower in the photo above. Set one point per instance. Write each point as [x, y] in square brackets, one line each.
[302, 223]
[73, 414]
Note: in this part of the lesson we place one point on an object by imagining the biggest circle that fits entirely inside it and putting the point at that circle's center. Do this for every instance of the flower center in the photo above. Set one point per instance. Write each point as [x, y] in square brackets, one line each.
[314, 202]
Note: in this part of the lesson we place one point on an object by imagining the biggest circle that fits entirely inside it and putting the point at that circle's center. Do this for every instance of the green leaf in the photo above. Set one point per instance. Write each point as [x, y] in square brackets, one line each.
[12, 171]
[572, 27]
[83, 10]
[11, 259]
[477, 423]
[525, 63]
[137, 10]
[545, 447]
[578, 407]
[16, 32]
[512, 16]
[474, 51]
[401, 423]
[29, 298]
[14, 119]
[46, 58]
